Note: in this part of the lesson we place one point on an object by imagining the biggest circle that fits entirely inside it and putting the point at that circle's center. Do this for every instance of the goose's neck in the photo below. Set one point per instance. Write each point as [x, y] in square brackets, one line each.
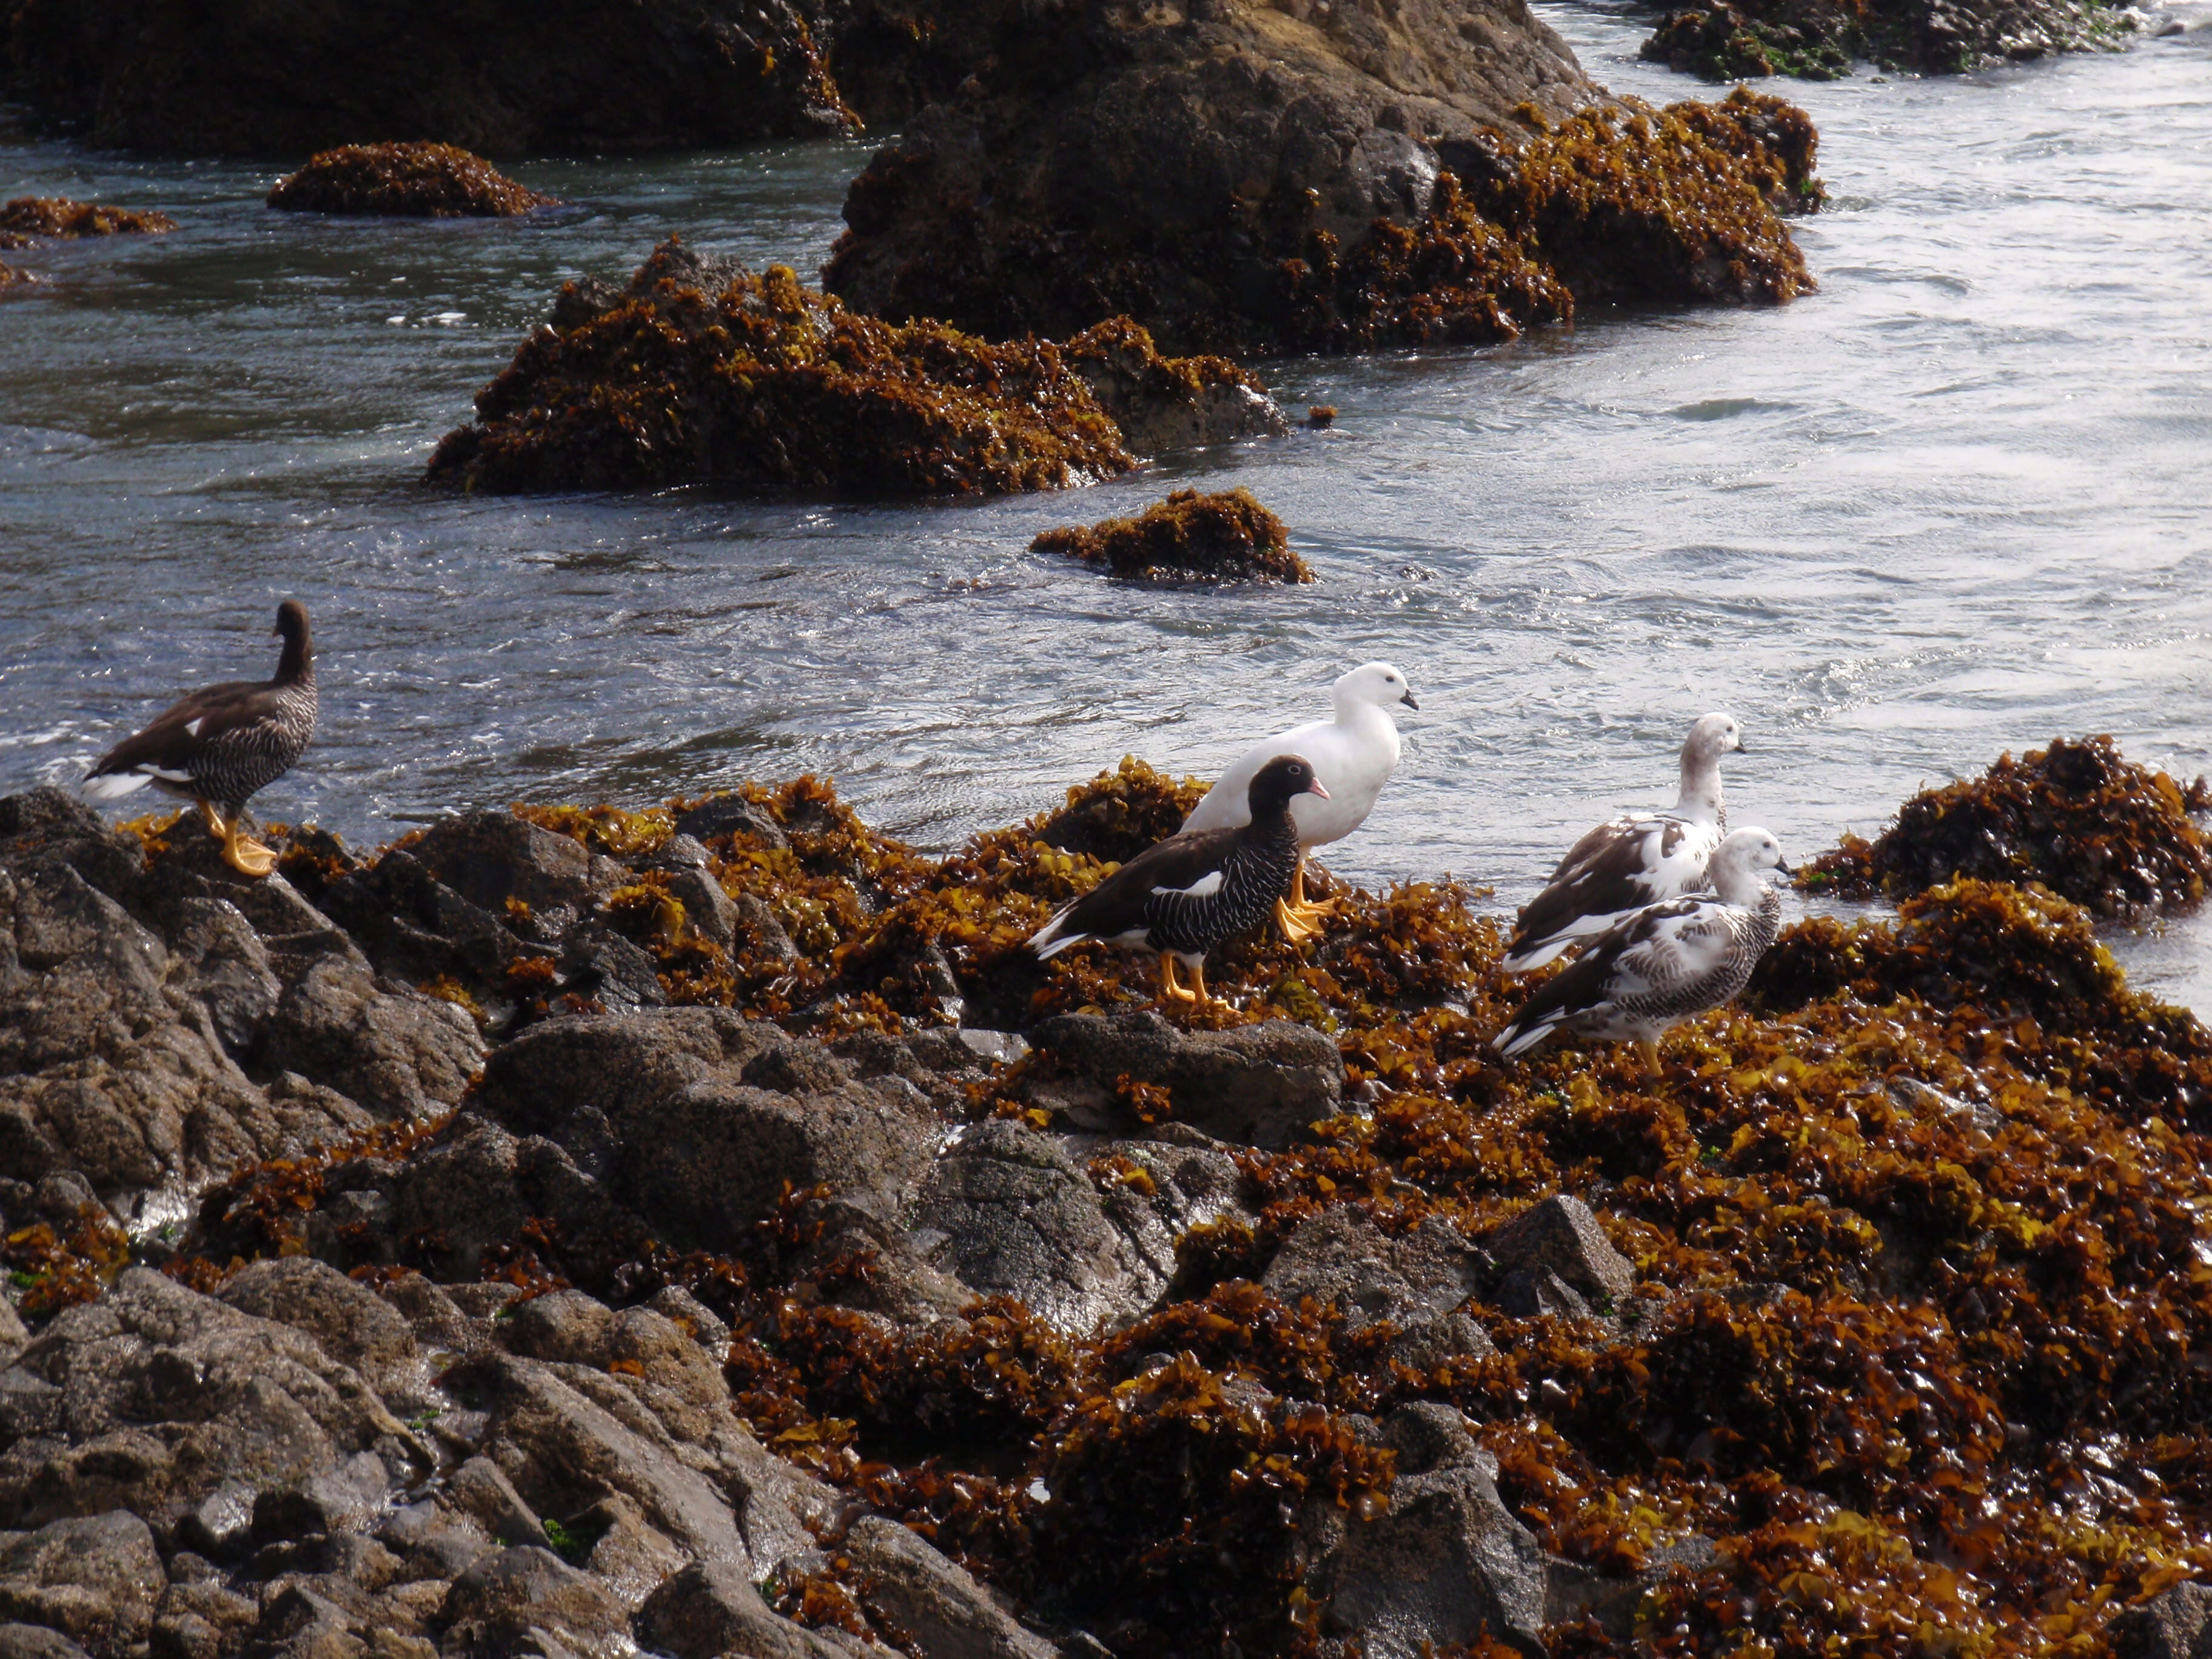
[297, 664]
[1734, 884]
[1699, 797]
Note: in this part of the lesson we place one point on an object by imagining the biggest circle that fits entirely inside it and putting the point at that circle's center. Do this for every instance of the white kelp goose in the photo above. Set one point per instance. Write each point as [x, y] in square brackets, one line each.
[222, 743]
[1663, 963]
[1353, 754]
[1635, 860]
[1183, 896]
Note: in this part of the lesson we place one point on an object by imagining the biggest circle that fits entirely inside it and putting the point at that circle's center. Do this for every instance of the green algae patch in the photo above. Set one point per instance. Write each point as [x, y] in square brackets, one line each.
[1818, 39]
[2077, 817]
[756, 384]
[27, 216]
[1192, 536]
[419, 181]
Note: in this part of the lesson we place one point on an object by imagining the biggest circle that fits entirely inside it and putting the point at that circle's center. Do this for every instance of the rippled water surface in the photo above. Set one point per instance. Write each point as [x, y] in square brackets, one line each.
[1954, 503]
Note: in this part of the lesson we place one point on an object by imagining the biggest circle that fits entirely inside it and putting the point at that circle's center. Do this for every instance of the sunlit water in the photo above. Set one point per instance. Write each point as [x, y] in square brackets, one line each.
[1956, 502]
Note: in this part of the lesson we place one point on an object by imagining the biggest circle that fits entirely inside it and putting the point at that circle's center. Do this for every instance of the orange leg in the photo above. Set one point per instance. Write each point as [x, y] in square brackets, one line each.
[216, 826]
[1169, 989]
[245, 855]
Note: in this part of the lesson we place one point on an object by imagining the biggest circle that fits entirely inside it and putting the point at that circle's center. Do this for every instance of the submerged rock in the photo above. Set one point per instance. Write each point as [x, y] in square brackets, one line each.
[419, 181]
[29, 216]
[1819, 39]
[1188, 537]
[512, 78]
[2078, 817]
[1253, 178]
[757, 385]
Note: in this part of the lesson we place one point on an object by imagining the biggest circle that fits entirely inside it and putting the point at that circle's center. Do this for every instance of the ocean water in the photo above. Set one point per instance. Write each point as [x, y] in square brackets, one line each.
[1954, 503]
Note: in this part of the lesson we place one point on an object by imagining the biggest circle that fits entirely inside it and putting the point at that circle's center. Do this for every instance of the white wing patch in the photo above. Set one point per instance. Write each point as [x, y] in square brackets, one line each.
[192, 726]
[1205, 887]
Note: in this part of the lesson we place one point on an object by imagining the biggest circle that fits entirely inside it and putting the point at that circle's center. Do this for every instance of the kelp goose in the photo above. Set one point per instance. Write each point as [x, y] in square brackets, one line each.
[222, 743]
[1353, 755]
[1637, 859]
[1185, 894]
[1665, 963]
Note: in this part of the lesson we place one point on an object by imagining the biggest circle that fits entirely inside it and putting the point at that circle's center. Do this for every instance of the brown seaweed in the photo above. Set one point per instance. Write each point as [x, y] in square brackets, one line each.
[420, 181]
[1190, 537]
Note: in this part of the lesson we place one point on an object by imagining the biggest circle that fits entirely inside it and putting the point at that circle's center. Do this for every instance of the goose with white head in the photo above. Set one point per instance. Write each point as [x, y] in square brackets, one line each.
[1353, 753]
[1666, 963]
[220, 745]
[1635, 860]
[1183, 896]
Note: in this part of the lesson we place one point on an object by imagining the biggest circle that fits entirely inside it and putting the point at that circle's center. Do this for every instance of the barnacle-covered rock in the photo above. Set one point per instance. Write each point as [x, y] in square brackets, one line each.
[757, 385]
[1170, 403]
[1190, 536]
[418, 181]
[510, 79]
[2077, 817]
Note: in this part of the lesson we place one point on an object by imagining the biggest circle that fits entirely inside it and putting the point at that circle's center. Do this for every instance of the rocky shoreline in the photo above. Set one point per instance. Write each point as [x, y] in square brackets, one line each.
[704, 1229]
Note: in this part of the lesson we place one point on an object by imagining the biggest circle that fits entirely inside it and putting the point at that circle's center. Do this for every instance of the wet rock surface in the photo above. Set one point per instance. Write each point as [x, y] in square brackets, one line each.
[504, 79]
[759, 386]
[417, 181]
[1253, 178]
[1189, 537]
[1820, 39]
[30, 217]
[817, 1275]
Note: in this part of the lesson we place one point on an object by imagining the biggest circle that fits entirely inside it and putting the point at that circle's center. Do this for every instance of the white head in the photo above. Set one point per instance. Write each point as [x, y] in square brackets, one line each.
[1737, 862]
[1375, 684]
[1713, 736]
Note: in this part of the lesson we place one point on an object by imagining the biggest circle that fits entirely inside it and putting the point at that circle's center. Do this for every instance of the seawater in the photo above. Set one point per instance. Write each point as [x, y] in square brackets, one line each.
[1954, 503]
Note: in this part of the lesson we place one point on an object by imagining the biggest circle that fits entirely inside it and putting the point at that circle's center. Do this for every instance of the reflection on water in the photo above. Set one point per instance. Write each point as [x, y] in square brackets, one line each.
[1952, 504]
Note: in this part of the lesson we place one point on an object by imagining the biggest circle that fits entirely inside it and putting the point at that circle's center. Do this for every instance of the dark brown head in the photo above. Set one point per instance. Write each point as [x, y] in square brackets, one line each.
[1281, 778]
[299, 650]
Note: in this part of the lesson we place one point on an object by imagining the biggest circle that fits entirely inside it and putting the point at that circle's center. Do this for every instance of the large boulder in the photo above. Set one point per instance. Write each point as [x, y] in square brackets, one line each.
[504, 78]
[1254, 177]
[698, 1118]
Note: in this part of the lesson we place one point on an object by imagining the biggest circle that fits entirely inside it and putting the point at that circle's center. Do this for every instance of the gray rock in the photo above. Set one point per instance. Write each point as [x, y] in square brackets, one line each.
[948, 1614]
[1562, 1235]
[621, 976]
[169, 1395]
[354, 1326]
[1427, 1435]
[481, 1186]
[37, 1642]
[568, 1436]
[490, 857]
[694, 1317]
[1528, 1292]
[399, 1053]
[1341, 1258]
[1575, 1591]
[711, 1610]
[28, 1405]
[1447, 1563]
[216, 957]
[702, 1115]
[1258, 1084]
[731, 814]
[707, 908]
[1011, 1212]
[480, 1490]
[1427, 1344]
[2176, 1624]
[95, 1578]
[342, 1499]
[13, 1334]
[498, 1603]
